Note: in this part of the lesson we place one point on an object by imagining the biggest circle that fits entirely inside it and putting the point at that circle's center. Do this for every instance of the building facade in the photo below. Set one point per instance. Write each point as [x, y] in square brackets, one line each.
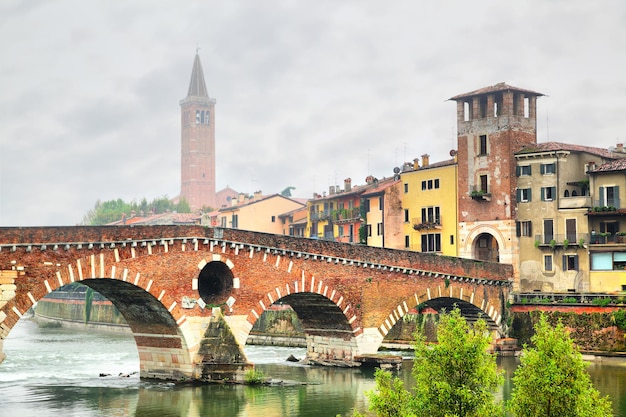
[258, 214]
[553, 202]
[198, 143]
[429, 201]
[607, 222]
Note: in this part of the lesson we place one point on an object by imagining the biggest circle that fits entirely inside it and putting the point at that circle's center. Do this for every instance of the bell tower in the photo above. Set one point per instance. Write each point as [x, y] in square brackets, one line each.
[493, 123]
[198, 142]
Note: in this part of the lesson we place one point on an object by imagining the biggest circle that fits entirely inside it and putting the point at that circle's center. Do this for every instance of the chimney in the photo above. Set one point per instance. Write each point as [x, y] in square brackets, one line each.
[416, 163]
[369, 179]
[258, 195]
[620, 148]
[425, 160]
[241, 198]
[331, 190]
[347, 184]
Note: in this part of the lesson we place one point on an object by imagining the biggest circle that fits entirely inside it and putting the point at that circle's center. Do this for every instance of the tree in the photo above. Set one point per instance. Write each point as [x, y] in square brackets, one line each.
[456, 377]
[551, 379]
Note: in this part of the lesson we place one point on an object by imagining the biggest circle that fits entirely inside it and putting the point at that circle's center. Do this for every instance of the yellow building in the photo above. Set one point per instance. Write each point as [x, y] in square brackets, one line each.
[258, 214]
[429, 202]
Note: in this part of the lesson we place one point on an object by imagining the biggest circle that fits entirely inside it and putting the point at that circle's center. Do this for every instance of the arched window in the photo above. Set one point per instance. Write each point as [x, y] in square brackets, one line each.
[566, 193]
[574, 193]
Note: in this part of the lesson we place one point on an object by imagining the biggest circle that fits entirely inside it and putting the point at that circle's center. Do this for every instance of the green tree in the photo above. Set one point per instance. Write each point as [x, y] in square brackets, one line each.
[552, 380]
[183, 206]
[456, 377]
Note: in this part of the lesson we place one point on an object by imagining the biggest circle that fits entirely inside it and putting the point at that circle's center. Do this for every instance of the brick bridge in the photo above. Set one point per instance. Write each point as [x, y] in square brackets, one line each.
[191, 294]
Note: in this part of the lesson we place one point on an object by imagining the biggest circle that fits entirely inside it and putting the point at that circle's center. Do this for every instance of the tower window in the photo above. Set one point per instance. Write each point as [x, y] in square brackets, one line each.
[482, 147]
[197, 116]
[467, 111]
[483, 184]
[526, 107]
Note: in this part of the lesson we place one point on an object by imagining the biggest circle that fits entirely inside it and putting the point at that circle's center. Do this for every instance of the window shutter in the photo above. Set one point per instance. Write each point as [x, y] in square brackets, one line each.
[576, 262]
[518, 171]
[519, 195]
[530, 226]
[564, 263]
[530, 169]
[518, 229]
[601, 194]
[530, 194]
[543, 169]
[616, 194]
[543, 193]
[553, 193]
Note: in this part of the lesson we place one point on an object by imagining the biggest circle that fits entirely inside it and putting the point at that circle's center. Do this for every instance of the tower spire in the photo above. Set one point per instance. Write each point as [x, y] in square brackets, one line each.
[197, 86]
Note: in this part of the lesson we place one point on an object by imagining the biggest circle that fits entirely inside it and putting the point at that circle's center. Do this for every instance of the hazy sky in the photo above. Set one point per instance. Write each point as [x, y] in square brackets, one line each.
[308, 92]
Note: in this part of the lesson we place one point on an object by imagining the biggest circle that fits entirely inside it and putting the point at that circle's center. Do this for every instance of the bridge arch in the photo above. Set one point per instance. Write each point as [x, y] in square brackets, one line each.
[153, 315]
[327, 319]
[472, 303]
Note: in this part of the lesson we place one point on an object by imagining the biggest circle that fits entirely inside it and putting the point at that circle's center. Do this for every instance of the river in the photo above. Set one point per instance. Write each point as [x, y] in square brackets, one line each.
[55, 372]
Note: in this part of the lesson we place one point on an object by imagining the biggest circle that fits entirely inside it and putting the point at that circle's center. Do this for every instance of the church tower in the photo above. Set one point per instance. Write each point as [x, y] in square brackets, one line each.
[493, 123]
[198, 142]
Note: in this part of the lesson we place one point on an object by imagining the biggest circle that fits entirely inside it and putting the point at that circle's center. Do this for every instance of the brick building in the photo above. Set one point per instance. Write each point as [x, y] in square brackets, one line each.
[492, 124]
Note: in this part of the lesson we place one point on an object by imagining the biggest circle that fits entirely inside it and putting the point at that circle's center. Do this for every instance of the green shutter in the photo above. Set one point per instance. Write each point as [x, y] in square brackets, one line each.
[518, 229]
[616, 193]
[601, 195]
[530, 191]
[543, 193]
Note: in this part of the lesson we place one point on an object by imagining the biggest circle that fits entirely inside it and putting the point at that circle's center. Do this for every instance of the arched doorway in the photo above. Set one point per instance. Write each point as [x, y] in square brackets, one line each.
[486, 248]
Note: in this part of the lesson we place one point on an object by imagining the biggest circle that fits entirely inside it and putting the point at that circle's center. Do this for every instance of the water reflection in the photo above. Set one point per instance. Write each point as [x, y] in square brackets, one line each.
[52, 373]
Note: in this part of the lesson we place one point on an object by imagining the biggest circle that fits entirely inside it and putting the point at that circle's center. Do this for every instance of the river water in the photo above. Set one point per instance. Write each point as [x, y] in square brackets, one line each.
[55, 372]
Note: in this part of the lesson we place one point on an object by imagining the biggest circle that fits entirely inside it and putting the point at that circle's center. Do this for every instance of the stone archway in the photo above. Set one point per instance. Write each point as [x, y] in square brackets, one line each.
[486, 248]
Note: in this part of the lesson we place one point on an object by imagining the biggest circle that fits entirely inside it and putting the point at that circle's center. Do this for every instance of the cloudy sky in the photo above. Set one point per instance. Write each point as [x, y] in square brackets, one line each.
[308, 93]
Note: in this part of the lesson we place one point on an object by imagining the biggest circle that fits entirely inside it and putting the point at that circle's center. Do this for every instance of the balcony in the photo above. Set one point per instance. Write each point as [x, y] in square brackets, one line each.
[478, 195]
[583, 201]
[606, 208]
[346, 215]
[562, 241]
[430, 223]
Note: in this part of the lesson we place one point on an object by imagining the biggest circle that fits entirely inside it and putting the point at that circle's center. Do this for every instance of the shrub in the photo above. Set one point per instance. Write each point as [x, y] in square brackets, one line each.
[254, 377]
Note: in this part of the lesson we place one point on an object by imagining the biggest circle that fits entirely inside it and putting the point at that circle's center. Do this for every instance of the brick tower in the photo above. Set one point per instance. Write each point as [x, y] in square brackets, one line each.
[198, 142]
[492, 124]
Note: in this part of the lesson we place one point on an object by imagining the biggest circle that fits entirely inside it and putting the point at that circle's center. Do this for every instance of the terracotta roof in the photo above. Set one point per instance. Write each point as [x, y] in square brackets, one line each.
[197, 86]
[615, 165]
[495, 88]
[558, 146]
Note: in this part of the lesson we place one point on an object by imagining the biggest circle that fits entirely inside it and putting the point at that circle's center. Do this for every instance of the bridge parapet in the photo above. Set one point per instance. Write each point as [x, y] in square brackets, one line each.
[110, 237]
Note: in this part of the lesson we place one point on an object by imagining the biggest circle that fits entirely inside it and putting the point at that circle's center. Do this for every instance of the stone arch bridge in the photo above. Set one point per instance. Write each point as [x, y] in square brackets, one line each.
[192, 294]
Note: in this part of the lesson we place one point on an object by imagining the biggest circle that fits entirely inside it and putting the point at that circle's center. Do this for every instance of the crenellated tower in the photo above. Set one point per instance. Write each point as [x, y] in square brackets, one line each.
[492, 124]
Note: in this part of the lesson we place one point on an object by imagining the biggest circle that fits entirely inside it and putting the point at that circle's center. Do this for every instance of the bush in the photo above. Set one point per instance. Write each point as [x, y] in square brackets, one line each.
[254, 377]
